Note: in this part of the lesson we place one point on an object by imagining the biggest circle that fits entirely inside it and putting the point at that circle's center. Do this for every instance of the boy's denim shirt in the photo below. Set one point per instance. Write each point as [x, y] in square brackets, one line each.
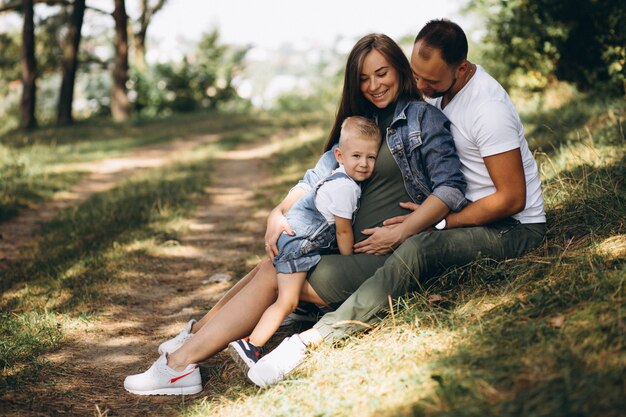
[420, 141]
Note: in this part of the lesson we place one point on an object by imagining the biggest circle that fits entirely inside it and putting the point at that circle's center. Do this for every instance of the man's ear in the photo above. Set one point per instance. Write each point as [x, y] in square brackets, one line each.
[339, 155]
[463, 66]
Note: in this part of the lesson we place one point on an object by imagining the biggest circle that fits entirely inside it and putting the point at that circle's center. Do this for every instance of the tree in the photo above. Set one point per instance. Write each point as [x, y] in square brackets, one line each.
[120, 105]
[70, 63]
[579, 41]
[29, 67]
[139, 37]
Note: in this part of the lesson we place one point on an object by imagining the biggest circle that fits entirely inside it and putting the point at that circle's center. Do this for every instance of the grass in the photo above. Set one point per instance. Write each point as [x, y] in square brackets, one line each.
[80, 261]
[538, 336]
[83, 254]
[542, 335]
[34, 165]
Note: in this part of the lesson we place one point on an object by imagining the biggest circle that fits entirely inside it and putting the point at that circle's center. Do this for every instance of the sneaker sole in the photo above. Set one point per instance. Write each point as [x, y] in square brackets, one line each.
[195, 389]
[238, 357]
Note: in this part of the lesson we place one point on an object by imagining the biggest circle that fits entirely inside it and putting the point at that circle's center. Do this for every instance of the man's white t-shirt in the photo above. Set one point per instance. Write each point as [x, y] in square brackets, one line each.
[484, 122]
[338, 198]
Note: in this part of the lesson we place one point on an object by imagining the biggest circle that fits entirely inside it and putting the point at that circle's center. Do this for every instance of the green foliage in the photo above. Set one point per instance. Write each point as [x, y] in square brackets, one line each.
[9, 57]
[580, 41]
[10, 85]
[201, 81]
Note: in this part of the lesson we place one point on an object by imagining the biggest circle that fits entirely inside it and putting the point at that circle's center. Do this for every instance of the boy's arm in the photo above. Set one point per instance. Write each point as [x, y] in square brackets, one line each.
[345, 237]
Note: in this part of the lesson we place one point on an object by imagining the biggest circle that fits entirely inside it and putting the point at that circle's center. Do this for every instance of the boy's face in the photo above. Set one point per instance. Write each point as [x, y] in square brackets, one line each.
[358, 156]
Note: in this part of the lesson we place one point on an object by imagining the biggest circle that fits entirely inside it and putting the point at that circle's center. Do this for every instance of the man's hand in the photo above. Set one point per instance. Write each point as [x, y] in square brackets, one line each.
[381, 240]
[400, 219]
[276, 224]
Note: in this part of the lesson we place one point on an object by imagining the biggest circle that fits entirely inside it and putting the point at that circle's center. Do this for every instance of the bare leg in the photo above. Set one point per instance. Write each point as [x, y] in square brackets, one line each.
[289, 286]
[234, 320]
[227, 297]
[308, 294]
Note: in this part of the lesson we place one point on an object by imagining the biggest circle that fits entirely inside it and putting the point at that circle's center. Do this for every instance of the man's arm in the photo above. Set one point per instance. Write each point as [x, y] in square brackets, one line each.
[507, 173]
[345, 237]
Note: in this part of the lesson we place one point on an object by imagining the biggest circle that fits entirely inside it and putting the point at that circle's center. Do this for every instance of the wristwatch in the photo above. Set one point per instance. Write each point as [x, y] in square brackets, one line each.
[441, 225]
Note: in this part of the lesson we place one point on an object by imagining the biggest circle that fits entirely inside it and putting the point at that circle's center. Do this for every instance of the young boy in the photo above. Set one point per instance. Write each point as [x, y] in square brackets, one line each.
[318, 219]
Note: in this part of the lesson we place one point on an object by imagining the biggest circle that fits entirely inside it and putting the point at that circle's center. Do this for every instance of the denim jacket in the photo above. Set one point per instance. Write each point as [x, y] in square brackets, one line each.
[420, 141]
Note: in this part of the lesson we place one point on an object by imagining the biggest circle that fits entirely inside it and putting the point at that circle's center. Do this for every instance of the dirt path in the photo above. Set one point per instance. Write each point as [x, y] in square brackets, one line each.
[18, 236]
[86, 375]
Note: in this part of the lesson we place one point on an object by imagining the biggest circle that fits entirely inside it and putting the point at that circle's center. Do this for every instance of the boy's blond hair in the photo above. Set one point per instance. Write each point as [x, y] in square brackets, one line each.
[363, 127]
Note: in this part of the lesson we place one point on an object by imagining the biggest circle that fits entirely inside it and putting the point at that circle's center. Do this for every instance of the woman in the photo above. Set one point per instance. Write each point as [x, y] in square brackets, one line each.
[417, 162]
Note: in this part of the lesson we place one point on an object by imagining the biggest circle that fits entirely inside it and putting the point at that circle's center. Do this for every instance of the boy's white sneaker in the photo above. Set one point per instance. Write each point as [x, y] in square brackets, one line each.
[175, 343]
[273, 367]
[160, 379]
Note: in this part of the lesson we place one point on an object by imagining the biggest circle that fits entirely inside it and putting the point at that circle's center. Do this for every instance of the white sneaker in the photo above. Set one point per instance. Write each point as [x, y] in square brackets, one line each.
[160, 379]
[273, 367]
[175, 343]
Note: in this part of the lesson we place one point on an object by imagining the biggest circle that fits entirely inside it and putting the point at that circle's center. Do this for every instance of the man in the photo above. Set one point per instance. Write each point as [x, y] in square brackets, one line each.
[504, 219]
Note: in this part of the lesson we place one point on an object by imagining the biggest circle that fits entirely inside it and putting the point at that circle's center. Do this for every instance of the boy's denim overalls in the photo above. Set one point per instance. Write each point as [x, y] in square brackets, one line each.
[313, 234]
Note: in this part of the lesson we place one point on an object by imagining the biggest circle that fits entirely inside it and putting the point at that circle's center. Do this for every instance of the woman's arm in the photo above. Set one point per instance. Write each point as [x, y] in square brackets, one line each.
[345, 236]
[441, 165]
[384, 239]
[276, 221]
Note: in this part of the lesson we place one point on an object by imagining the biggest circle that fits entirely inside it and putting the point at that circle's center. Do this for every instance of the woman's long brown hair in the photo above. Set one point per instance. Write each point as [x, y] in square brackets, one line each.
[352, 100]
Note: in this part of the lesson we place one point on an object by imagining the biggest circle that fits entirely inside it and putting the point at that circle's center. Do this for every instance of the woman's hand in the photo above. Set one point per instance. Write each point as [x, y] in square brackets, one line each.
[381, 240]
[400, 219]
[276, 224]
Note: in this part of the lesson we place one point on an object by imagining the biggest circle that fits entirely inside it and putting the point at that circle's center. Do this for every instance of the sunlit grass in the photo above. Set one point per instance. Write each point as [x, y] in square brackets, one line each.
[89, 252]
[542, 335]
[34, 165]
[538, 336]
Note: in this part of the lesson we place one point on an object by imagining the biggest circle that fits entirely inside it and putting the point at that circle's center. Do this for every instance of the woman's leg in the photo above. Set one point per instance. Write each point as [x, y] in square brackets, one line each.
[234, 320]
[228, 296]
[289, 287]
[307, 294]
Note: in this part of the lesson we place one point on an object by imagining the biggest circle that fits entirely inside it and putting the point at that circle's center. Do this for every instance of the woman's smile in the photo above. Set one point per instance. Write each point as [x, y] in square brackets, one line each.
[379, 80]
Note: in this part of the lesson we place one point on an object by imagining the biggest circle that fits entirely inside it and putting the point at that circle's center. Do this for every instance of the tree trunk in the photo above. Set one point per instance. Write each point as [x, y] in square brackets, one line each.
[147, 13]
[120, 106]
[140, 50]
[29, 68]
[70, 64]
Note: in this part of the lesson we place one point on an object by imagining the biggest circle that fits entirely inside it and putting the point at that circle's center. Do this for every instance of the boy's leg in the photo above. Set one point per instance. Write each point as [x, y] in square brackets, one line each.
[289, 286]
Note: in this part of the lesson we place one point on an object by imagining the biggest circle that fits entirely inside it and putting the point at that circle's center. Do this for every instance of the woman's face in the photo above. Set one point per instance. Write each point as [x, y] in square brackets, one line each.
[379, 80]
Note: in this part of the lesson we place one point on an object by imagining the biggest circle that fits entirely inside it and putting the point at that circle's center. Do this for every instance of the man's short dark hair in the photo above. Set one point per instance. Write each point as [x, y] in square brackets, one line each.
[447, 37]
